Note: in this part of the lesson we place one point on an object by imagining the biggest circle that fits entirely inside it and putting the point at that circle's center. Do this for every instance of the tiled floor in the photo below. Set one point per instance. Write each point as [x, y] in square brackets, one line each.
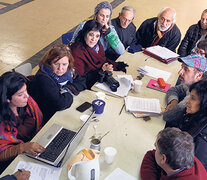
[28, 27]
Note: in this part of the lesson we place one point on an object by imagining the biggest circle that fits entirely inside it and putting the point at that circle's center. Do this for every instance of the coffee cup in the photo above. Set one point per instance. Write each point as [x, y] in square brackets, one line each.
[137, 86]
[110, 153]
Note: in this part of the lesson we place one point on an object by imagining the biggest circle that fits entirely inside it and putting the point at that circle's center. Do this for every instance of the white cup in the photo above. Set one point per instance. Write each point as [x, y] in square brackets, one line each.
[83, 118]
[137, 86]
[110, 153]
[100, 95]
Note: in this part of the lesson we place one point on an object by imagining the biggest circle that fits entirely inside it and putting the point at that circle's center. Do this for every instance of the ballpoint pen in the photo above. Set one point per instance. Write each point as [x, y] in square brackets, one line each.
[122, 109]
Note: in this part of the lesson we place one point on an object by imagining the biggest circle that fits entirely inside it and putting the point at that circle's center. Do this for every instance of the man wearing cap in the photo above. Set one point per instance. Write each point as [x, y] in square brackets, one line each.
[125, 29]
[194, 34]
[109, 39]
[193, 69]
[160, 30]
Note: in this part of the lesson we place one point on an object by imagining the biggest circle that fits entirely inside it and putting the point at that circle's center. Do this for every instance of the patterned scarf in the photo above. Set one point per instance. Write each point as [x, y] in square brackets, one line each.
[68, 76]
[9, 138]
[158, 34]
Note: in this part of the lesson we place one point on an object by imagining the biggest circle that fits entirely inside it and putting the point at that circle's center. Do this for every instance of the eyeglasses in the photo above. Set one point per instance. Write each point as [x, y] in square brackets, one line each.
[140, 76]
[126, 20]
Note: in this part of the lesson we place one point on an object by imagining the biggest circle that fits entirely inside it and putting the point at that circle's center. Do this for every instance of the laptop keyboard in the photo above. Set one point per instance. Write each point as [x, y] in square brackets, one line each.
[57, 145]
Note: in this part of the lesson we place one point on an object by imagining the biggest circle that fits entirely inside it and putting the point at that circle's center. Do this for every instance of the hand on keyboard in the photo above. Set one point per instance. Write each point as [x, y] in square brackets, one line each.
[31, 148]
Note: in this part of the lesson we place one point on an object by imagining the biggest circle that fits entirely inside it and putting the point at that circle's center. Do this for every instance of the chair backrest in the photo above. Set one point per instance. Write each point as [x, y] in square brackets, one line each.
[24, 69]
[66, 38]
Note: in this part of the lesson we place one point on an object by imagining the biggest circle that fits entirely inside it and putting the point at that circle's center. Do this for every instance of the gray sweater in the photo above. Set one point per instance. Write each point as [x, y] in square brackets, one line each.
[181, 94]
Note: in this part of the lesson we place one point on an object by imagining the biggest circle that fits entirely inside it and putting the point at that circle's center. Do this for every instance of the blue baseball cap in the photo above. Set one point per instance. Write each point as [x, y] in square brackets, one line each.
[195, 61]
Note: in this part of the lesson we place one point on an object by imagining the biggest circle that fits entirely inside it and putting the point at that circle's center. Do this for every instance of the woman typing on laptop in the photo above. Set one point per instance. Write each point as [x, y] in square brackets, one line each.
[20, 119]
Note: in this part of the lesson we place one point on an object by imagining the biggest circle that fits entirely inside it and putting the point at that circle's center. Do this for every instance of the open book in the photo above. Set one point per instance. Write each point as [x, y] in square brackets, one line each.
[144, 105]
[161, 53]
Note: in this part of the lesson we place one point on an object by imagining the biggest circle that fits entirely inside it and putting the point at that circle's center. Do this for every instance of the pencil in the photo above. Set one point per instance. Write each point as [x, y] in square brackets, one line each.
[122, 109]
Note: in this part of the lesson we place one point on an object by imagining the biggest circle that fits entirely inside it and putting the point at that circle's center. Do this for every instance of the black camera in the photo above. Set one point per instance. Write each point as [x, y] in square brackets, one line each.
[106, 76]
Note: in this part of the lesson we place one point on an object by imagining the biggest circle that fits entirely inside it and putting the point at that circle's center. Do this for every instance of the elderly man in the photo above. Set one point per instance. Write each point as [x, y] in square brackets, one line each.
[195, 33]
[173, 158]
[125, 29]
[160, 30]
[193, 69]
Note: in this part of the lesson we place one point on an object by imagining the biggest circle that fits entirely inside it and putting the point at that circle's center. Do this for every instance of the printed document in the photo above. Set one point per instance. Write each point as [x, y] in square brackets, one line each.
[38, 171]
[154, 72]
[147, 105]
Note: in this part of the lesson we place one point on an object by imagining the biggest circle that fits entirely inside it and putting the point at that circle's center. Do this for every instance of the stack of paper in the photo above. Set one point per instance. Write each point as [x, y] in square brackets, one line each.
[161, 53]
[154, 72]
[145, 105]
[122, 90]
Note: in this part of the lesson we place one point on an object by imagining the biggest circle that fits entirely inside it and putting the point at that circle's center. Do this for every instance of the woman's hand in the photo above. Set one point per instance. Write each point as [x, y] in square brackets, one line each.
[105, 27]
[24, 175]
[171, 105]
[32, 148]
[107, 67]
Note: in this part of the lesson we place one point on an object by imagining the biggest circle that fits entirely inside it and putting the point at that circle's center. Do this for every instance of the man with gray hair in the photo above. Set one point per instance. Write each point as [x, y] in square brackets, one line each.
[173, 158]
[160, 30]
[125, 29]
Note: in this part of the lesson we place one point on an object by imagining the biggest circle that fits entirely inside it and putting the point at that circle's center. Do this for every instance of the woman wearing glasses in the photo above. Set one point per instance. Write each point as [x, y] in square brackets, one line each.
[109, 38]
[56, 82]
[20, 119]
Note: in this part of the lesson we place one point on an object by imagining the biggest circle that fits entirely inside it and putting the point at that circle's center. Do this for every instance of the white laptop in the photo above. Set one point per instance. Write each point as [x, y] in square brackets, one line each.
[59, 141]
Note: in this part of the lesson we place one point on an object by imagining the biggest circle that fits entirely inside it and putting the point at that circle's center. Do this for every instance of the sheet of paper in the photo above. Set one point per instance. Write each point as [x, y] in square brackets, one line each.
[38, 171]
[119, 174]
[122, 90]
[149, 105]
[129, 77]
[162, 52]
[154, 72]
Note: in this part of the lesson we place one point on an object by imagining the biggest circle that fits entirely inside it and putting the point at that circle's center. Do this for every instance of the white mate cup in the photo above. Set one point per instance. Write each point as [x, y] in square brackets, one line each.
[137, 86]
[110, 153]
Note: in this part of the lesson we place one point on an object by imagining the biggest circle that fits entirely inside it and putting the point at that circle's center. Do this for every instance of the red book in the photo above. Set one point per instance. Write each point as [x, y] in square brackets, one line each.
[153, 84]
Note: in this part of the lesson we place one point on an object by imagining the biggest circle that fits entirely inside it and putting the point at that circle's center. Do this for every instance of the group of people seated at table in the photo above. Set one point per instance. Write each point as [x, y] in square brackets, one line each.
[66, 70]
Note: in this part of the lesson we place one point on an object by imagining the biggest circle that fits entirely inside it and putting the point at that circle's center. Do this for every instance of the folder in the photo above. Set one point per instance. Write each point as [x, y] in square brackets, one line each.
[161, 53]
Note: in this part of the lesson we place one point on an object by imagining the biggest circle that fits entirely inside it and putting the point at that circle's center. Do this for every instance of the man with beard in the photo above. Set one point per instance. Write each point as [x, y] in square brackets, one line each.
[160, 30]
[195, 34]
[193, 69]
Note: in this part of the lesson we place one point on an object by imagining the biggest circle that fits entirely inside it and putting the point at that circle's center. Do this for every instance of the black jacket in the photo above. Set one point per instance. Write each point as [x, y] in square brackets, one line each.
[126, 35]
[147, 29]
[46, 92]
[192, 35]
[196, 126]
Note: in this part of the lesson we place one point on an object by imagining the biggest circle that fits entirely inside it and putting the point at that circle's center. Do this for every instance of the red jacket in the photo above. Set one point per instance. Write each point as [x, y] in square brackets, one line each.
[150, 170]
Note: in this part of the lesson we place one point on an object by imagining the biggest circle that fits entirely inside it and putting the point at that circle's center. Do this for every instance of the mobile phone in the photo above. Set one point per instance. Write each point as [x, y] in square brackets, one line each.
[83, 106]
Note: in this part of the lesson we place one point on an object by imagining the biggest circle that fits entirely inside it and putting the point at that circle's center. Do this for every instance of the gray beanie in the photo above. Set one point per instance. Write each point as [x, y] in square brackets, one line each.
[105, 5]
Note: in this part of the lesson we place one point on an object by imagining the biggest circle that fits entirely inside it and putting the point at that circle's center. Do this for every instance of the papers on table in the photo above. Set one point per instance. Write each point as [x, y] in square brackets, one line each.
[38, 171]
[122, 90]
[154, 72]
[118, 174]
[161, 53]
[146, 105]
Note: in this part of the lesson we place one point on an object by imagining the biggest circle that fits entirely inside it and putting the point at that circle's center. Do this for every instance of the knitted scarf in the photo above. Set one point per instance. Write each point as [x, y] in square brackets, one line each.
[9, 138]
[68, 76]
[158, 34]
